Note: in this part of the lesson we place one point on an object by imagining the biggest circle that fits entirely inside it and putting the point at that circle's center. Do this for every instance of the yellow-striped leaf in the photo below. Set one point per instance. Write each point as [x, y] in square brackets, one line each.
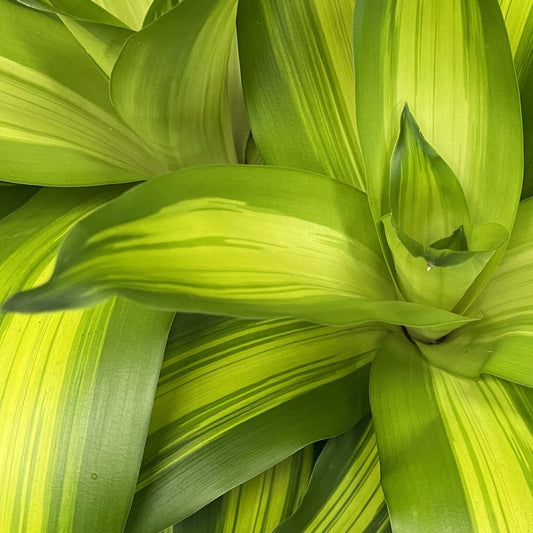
[235, 398]
[519, 22]
[234, 240]
[423, 52]
[452, 64]
[186, 115]
[455, 454]
[299, 84]
[57, 125]
[130, 13]
[258, 505]
[344, 494]
[76, 388]
[503, 339]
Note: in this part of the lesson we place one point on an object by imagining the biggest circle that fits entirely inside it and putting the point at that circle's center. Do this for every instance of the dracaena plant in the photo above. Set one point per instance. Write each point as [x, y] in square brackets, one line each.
[329, 225]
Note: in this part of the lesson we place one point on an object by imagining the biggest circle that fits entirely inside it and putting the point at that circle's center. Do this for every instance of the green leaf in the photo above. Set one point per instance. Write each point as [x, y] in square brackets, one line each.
[186, 115]
[86, 10]
[258, 505]
[11, 198]
[129, 13]
[436, 277]
[344, 493]
[57, 123]
[234, 240]
[76, 388]
[298, 82]
[158, 9]
[427, 201]
[519, 22]
[504, 337]
[455, 454]
[235, 398]
[102, 42]
[452, 63]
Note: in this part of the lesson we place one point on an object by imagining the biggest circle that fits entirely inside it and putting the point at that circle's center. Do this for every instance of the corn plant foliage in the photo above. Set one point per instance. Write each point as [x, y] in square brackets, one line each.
[330, 227]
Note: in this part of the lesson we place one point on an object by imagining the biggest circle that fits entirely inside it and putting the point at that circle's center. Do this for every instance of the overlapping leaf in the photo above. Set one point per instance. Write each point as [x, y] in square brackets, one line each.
[455, 453]
[57, 125]
[298, 82]
[235, 398]
[170, 83]
[234, 240]
[76, 387]
[258, 505]
[502, 342]
[344, 493]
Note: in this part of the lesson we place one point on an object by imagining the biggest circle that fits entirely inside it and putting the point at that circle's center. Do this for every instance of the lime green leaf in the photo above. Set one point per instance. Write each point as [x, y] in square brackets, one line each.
[236, 397]
[57, 125]
[129, 13]
[451, 62]
[234, 240]
[11, 198]
[102, 42]
[436, 277]
[158, 9]
[76, 388]
[519, 22]
[427, 201]
[344, 493]
[455, 454]
[298, 81]
[504, 337]
[186, 115]
[80, 9]
[258, 505]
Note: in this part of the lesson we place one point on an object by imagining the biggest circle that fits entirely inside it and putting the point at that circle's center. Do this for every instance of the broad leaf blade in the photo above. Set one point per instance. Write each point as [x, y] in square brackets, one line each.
[504, 337]
[298, 83]
[455, 454]
[344, 493]
[76, 389]
[236, 397]
[102, 42]
[519, 22]
[234, 240]
[258, 505]
[186, 115]
[422, 53]
[57, 124]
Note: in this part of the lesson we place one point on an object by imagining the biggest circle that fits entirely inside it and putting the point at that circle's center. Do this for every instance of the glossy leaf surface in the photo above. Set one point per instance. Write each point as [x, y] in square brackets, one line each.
[176, 96]
[76, 387]
[244, 242]
[298, 82]
[57, 123]
[344, 493]
[258, 505]
[236, 397]
[455, 453]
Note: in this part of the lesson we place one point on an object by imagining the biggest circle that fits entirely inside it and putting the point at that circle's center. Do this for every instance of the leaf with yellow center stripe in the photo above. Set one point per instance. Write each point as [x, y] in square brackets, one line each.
[76, 387]
[57, 124]
[298, 85]
[258, 505]
[344, 493]
[455, 453]
[235, 240]
[236, 397]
